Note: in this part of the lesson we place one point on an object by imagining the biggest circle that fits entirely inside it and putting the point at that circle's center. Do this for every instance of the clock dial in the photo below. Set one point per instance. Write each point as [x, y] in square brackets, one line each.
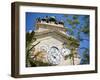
[66, 51]
[54, 55]
[43, 48]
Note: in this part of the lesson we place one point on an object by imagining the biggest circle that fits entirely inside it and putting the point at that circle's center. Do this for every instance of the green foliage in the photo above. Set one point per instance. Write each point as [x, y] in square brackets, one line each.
[69, 21]
[85, 59]
[73, 26]
[70, 30]
[73, 42]
[31, 62]
[85, 30]
[73, 30]
[75, 17]
[34, 63]
[75, 22]
[71, 56]
[29, 39]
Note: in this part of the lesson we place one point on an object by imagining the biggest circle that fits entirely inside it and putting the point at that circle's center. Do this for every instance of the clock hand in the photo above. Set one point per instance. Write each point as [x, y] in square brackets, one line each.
[54, 57]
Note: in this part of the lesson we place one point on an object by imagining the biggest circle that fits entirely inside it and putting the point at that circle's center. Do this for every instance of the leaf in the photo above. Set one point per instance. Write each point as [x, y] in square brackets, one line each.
[76, 21]
[73, 26]
[70, 31]
[85, 59]
[85, 30]
[69, 21]
[75, 17]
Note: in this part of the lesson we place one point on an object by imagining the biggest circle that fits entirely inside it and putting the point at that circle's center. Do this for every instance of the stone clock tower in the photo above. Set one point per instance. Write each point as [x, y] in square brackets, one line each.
[55, 45]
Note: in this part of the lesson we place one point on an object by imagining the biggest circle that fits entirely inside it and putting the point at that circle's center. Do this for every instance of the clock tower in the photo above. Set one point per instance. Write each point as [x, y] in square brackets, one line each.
[55, 45]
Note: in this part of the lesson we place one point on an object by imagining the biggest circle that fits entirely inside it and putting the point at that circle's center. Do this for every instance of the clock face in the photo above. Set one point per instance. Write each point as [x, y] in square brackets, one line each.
[43, 48]
[65, 51]
[54, 55]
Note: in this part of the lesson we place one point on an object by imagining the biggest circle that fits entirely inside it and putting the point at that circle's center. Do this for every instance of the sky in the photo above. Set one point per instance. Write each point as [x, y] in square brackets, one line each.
[31, 21]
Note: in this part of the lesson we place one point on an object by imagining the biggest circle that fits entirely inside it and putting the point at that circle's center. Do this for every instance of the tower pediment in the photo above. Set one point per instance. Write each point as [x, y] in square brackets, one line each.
[58, 35]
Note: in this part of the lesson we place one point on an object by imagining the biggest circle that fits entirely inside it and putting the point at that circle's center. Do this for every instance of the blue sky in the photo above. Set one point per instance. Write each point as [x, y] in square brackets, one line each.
[31, 21]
